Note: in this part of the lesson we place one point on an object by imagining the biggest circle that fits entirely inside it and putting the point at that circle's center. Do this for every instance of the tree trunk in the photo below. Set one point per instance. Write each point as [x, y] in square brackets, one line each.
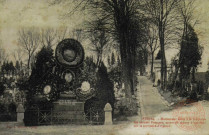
[165, 72]
[193, 74]
[126, 77]
[175, 76]
[152, 64]
[162, 48]
[161, 42]
[162, 68]
[98, 60]
[133, 69]
[122, 24]
[29, 57]
[126, 64]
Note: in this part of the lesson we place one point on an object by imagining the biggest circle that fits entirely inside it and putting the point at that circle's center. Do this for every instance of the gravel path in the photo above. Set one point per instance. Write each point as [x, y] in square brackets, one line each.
[151, 101]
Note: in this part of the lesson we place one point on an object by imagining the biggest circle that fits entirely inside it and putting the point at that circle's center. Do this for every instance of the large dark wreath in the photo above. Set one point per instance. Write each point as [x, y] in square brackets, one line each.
[69, 53]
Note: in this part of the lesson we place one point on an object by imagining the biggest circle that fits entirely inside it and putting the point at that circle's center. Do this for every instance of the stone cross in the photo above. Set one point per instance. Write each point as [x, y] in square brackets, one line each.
[108, 114]
[20, 113]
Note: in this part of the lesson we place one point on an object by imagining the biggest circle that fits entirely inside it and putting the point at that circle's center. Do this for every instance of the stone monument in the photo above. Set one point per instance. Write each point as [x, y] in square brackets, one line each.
[62, 86]
[20, 113]
[108, 114]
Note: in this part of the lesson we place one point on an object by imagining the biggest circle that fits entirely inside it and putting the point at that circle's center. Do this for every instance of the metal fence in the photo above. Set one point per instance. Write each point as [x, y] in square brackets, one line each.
[8, 117]
[53, 117]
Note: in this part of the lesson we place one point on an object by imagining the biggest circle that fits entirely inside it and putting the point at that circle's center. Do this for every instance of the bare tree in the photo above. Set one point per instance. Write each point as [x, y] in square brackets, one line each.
[185, 10]
[163, 15]
[52, 36]
[122, 19]
[29, 40]
[77, 34]
[152, 43]
[18, 54]
[3, 59]
[61, 33]
[48, 37]
[99, 40]
[3, 55]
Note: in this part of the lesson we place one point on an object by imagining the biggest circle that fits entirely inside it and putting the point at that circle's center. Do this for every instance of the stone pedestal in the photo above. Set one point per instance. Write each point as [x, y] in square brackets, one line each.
[20, 113]
[69, 109]
[68, 105]
[108, 114]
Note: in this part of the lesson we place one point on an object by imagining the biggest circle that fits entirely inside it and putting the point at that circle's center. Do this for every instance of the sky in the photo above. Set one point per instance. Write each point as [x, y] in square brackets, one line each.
[15, 14]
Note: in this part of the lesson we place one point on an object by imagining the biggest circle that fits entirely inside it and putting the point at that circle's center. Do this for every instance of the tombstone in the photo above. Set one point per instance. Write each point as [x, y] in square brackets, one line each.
[192, 86]
[108, 114]
[208, 90]
[20, 113]
[72, 110]
[157, 76]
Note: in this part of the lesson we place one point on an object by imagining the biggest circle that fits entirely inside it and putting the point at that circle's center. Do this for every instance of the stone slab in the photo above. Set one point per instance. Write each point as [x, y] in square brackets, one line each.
[71, 106]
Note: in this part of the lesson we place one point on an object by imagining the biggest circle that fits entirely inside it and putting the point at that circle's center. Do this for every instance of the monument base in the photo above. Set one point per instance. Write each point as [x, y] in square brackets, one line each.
[69, 110]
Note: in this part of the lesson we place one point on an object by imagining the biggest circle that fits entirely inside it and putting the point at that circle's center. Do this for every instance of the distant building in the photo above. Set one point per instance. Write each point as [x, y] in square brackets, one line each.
[157, 70]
